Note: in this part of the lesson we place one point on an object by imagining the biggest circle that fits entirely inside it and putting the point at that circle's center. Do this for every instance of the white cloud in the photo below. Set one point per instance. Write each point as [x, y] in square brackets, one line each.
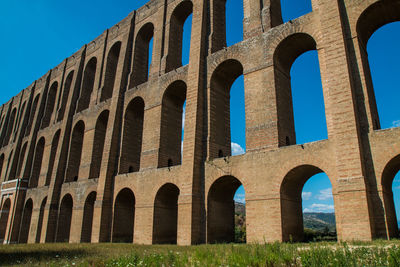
[236, 149]
[396, 123]
[240, 198]
[324, 194]
[306, 195]
[320, 208]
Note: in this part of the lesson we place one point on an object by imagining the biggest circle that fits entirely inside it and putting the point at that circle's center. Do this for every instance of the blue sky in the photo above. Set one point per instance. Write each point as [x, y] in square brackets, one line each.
[40, 34]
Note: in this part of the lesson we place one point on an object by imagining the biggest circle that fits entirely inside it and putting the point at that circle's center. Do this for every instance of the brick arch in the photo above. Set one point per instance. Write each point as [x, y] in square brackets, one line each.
[141, 55]
[37, 163]
[131, 148]
[221, 209]
[98, 144]
[10, 127]
[5, 211]
[291, 200]
[387, 177]
[111, 71]
[64, 97]
[75, 152]
[221, 80]
[165, 219]
[285, 54]
[124, 216]
[64, 219]
[177, 20]
[32, 115]
[373, 17]
[89, 77]
[87, 223]
[26, 221]
[173, 101]
[21, 159]
[50, 101]
[40, 220]
[53, 151]
[21, 114]
[1, 166]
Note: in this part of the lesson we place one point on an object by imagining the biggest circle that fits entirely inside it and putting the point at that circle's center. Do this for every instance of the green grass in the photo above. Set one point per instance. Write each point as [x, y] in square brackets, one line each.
[377, 253]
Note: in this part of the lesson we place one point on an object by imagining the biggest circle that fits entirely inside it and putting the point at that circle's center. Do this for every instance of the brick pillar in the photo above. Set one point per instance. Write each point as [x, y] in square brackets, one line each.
[143, 224]
[191, 211]
[267, 229]
[352, 209]
[16, 210]
[87, 148]
[102, 211]
[260, 16]
[34, 223]
[151, 138]
[261, 110]
[76, 223]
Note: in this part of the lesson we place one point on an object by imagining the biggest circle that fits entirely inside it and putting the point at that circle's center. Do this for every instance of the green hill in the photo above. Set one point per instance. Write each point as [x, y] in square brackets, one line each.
[319, 221]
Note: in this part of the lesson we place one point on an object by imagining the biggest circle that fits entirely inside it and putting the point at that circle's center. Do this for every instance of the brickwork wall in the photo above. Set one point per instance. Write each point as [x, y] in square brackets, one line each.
[91, 151]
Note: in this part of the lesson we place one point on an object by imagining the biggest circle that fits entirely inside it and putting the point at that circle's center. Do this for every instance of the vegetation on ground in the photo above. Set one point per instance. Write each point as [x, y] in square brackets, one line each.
[377, 253]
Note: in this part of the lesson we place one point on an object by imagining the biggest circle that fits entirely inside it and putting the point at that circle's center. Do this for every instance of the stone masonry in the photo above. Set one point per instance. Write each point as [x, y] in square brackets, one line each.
[91, 152]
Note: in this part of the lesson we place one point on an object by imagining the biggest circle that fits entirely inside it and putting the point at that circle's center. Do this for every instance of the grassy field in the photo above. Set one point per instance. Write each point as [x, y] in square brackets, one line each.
[378, 253]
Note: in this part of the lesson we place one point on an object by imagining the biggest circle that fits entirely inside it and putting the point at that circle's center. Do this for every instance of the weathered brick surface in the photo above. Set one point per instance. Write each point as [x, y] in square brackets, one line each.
[91, 152]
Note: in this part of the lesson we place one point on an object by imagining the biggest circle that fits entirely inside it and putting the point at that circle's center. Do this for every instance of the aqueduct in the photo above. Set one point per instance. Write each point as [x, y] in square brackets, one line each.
[91, 151]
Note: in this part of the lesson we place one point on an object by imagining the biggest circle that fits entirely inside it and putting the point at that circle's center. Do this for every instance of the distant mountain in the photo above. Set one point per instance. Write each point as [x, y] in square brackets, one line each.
[240, 208]
[316, 221]
[319, 221]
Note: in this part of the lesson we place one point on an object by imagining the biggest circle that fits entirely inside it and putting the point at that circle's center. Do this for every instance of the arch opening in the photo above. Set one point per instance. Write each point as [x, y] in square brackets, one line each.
[172, 124]
[10, 156]
[165, 220]
[221, 97]
[308, 100]
[285, 56]
[21, 159]
[53, 152]
[64, 219]
[87, 85]
[40, 220]
[67, 88]
[293, 9]
[378, 43]
[37, 163]
[179, 36]
[51, 98]
[295, 196]
[225, 31]
[1, 166]
[87, 223]
[111, 71]
[382, 75]
[132, 136]
[10, 127]
[142, 56]
[26, 222]
[4, 218]
[124, 217]
[75, 152]
[32, 115]
[98, 144]
[19, 119]
[221, 212]
[390, 189]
